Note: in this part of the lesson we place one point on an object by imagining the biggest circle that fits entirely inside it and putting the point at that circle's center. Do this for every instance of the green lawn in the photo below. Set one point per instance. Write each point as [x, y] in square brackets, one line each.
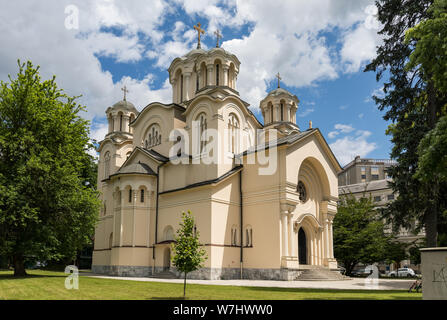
[49, 285]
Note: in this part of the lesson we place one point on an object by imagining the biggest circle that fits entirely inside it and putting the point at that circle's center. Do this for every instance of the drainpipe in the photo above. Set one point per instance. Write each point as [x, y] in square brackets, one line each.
[242, 221]
[156, 215]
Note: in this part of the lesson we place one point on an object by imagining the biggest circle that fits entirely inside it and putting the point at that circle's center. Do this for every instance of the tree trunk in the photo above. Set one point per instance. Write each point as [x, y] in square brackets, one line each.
[184, 286]
[19, 266]
[431, 226]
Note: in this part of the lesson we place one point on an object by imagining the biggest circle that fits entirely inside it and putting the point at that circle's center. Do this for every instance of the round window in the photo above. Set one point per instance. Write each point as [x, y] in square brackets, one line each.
[302, 191]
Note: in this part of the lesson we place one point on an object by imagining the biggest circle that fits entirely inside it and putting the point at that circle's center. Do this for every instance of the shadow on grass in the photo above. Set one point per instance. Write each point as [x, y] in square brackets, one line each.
[169, 298]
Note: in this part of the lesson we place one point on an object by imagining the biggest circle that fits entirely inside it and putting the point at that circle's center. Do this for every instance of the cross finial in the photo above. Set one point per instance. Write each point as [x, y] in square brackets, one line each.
[279, 79]
[199, 31]
[218, 36]
[125, 91]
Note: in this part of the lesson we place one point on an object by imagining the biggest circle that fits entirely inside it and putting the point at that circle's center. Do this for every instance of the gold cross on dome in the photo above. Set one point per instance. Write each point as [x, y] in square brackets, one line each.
[279, 79]
[125, 91]
[218, 36]
[199, 31]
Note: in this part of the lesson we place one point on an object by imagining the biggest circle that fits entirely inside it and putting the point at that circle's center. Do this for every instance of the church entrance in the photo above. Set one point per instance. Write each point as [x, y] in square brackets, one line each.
[302, 247]
[167, 259]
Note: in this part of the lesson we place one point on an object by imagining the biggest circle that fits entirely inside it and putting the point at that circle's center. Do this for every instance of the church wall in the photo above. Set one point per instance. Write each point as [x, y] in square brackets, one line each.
[310, 148]
[225, 215]
[172, 205]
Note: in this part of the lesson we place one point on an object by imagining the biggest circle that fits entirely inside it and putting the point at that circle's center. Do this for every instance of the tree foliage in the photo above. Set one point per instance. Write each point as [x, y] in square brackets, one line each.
[48, 202]
[359, 233]
[188, 254]
[413, 102]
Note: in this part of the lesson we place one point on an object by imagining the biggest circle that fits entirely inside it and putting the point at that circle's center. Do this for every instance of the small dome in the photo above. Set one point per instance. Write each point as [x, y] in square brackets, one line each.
[280, 91]
[124, 104]
[195, 51]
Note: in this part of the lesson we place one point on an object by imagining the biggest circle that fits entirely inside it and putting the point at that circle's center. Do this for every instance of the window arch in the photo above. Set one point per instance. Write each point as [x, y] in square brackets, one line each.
[302, 191]
[168, 233]
[234, 236]
[248, 236]
[202, 126]
[233, 131]
[107, 165]
[153, 137]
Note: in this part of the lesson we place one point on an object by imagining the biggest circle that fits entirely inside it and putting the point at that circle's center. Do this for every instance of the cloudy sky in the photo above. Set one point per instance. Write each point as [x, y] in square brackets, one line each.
[320, 47]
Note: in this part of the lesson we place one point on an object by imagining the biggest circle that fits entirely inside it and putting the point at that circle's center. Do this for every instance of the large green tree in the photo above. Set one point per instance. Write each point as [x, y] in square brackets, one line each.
[414, 104]
[188, 254]
[359, 233]
[48, 203]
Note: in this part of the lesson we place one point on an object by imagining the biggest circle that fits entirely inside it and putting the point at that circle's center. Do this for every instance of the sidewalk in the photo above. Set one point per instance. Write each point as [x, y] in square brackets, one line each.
[353, 284]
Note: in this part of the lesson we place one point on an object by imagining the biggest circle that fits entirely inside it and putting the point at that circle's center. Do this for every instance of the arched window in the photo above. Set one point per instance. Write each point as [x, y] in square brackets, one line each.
[217, 74]
[181, 88]
[153, 137]
[107, 165]
[302, 191]
[271, 114]
[234, 236]
[168, 233]
[121, 122]
[203, 125]
[233, 130]
[142, 195]
[105, 209]
[248, 236]
[130, 195]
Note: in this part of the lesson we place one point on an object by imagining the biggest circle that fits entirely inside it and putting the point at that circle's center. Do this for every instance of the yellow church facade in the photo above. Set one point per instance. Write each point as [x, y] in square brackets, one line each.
[263, 195]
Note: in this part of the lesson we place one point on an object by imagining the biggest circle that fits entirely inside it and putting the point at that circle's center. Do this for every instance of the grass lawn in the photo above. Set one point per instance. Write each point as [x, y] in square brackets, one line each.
[49, 285]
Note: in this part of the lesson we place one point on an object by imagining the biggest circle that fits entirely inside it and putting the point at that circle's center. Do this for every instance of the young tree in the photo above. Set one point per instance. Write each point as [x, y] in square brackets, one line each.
[358, 233]
[48, 208]
[188, 255]
[413, 100]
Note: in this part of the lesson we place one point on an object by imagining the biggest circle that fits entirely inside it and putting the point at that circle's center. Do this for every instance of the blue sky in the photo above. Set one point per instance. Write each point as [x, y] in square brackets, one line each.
[320, 48]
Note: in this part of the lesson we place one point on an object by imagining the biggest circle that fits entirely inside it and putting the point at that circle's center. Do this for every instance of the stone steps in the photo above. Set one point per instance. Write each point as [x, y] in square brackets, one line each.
[320, 274]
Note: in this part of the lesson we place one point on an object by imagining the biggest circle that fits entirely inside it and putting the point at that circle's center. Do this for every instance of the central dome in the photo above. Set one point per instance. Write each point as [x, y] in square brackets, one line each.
[199, 70]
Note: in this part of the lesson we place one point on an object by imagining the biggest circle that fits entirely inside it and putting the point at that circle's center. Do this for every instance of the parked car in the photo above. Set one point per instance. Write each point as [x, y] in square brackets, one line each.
[402, 272]
[361, 272]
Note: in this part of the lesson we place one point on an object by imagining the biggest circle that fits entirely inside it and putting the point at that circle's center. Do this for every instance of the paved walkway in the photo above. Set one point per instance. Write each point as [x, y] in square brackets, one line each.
[353, 284]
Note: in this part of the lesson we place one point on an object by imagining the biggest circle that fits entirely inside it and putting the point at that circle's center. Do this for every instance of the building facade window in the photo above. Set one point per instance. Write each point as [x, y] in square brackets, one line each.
[233, 130]
[153, 137]
[390, 197]
[363, 174]
[142, 195]
[302, 191]
[130, 195]
[107, 165]
[377, 198]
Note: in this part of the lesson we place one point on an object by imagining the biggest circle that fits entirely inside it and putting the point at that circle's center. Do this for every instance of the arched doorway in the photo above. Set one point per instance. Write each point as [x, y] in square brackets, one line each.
[167, 259]
[302, 247]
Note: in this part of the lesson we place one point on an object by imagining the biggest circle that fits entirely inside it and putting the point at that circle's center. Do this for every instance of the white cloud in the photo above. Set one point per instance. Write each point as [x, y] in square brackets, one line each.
[333, 134]
[346, 148]
[306, 112]
[345, 128]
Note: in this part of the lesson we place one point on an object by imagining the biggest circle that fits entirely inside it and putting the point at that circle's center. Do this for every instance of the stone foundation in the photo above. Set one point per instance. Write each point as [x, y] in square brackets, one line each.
[203, 273]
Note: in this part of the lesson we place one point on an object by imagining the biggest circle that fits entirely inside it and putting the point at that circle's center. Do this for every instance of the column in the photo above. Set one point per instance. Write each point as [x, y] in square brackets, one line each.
[174, 90]
[326, 234]
[320, 247]
[225, 70]
[209, 69]
[288, 113]
[331, 240]
[291, 238]
[187, 76]
[126, 120]
[276, 115]
[116, 123]
[285, 237]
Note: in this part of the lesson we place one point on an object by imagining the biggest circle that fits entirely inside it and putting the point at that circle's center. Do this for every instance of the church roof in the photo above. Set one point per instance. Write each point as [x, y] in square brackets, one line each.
[280, 91]
[126, 105]
[365, 186]
[136, 168]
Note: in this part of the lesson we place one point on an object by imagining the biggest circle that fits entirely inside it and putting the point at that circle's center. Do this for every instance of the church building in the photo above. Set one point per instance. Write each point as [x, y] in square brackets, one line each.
[263, 195]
